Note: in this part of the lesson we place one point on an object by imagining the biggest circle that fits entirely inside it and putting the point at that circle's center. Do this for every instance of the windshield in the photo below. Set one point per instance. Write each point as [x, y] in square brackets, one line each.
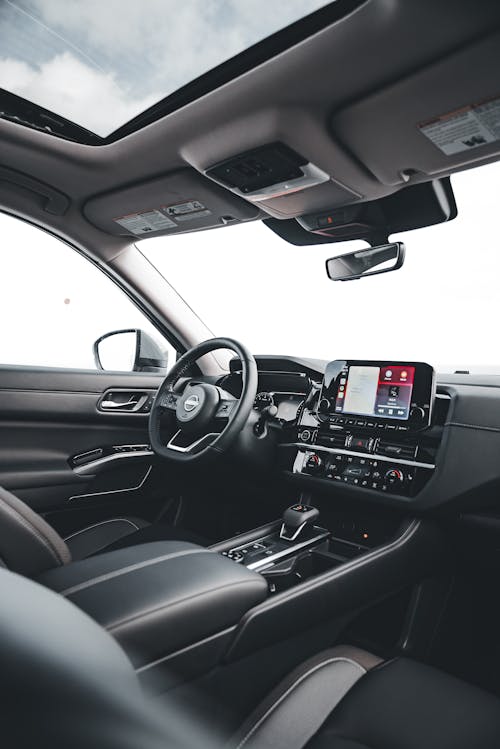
[441, 307]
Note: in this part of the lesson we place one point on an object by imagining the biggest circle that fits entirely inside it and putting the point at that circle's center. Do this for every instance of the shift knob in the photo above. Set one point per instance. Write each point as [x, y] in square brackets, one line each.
[295, 518]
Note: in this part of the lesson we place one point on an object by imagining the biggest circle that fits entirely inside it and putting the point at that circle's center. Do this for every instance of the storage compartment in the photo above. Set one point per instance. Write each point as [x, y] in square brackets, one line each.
[335, 577]
[161, 597]
[322, 558]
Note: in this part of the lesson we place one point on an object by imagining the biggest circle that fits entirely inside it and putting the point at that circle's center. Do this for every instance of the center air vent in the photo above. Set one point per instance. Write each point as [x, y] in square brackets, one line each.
[267, 172]
[331, 440]
[394, 450]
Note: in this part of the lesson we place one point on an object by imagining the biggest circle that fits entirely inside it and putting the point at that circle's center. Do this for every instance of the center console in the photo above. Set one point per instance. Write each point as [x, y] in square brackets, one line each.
[370, 426]
[315, 573]
[297, 533]
[181, 610]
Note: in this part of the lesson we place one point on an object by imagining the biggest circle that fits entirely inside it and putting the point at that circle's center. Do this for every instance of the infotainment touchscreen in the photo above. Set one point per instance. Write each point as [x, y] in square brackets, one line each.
[385, 391]
[376, 391]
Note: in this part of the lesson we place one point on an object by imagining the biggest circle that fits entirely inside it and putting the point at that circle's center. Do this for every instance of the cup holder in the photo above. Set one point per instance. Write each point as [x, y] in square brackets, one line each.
[322, 558]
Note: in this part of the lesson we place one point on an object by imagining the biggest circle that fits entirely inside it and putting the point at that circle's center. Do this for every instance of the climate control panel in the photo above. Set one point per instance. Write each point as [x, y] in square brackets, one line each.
[365, 472]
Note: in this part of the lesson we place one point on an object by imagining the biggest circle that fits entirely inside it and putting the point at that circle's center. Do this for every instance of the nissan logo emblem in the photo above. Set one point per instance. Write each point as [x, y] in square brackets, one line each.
[191, 403]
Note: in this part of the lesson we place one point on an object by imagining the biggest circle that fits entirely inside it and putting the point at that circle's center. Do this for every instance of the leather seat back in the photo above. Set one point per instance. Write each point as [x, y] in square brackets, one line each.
[67, 683]
[28, 544]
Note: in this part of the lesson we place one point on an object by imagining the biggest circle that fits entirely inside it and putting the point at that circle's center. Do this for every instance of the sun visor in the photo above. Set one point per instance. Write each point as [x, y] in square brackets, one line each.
[181, 201]
[437, 120]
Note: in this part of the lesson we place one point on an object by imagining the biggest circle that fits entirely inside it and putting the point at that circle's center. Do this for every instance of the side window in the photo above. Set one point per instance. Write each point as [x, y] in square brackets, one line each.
[55, 304]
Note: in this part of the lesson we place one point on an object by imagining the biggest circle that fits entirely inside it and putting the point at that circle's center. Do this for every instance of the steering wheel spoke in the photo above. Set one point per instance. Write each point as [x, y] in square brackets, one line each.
[194, 443]
[208, 418]
[225, 408]
[169, 401]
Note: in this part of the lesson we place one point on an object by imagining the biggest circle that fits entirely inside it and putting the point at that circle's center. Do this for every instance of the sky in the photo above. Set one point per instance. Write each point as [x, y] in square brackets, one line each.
[125, 55]
[442, 307]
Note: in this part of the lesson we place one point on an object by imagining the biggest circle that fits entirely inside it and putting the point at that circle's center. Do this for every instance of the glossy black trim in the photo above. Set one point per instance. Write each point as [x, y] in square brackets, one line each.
[422, 397]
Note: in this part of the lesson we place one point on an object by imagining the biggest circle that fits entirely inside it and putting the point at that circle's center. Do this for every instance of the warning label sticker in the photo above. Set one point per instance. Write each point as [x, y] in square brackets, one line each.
[465, 128]
[188, 211]
[144, 223]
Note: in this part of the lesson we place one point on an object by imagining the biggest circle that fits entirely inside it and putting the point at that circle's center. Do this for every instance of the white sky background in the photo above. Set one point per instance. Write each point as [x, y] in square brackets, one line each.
[441, 307]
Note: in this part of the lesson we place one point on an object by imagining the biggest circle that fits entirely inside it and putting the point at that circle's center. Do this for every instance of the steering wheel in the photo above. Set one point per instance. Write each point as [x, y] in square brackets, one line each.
[204, 419]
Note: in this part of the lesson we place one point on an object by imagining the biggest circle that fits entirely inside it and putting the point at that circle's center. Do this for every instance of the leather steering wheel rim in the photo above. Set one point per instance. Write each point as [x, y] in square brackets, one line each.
[238, 416]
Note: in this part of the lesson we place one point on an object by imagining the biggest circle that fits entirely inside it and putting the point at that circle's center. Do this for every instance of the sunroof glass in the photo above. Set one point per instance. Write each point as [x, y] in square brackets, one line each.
[99, 63]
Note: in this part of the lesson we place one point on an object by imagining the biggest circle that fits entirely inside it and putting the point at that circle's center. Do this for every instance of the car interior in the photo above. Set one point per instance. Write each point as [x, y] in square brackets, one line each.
[233, 549]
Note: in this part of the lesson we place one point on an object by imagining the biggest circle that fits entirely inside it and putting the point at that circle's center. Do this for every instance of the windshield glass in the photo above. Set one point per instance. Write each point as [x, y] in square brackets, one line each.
[125, 56]
[441, 307]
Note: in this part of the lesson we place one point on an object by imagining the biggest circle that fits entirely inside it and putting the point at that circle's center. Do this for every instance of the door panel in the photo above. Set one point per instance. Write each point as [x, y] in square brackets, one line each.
[50, 416]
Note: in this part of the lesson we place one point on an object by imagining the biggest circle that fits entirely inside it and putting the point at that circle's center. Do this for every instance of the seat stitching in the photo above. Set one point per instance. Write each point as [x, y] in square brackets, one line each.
[291, 688]
[31, 528]
[103, 522]
[131, 568]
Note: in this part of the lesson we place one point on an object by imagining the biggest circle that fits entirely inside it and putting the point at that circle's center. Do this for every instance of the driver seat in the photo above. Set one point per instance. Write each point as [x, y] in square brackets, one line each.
[29, 545]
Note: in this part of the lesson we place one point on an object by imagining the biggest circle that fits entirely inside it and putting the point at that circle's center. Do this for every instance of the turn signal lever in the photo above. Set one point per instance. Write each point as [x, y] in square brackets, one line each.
[295, 519]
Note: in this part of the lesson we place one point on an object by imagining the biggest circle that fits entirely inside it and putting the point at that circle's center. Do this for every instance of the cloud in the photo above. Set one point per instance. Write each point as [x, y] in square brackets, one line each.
[67, 86]
[101, 63]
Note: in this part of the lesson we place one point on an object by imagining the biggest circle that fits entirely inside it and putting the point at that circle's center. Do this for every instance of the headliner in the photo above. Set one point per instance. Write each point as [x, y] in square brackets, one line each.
[349, 98]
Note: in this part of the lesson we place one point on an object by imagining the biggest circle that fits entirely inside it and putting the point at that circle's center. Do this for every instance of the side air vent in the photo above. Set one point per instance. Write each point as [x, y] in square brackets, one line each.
[267, 172]
[394, 450]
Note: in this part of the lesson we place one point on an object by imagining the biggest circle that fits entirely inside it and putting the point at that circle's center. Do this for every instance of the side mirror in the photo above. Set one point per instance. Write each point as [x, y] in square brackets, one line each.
[130, 350]
[366, 262]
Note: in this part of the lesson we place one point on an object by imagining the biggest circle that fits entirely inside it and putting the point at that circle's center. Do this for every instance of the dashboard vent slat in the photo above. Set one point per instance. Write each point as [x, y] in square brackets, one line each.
[331, 440]
[396, 450]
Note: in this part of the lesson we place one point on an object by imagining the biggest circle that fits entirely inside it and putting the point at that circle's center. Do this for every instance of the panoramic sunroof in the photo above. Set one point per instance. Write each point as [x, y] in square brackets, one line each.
[101, 63]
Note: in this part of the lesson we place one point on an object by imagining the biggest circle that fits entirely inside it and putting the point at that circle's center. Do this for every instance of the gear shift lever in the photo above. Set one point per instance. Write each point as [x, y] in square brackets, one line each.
[295, 519]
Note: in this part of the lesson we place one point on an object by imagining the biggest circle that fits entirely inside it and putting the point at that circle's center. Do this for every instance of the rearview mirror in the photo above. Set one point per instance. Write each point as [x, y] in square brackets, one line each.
[366, 262]
[130, 350]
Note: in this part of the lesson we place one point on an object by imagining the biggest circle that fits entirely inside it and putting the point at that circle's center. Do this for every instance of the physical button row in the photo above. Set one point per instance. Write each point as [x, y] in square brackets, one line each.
[345, 421]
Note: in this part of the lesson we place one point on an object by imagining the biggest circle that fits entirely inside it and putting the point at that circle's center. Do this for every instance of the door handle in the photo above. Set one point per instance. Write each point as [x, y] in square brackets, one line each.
[125, 401]
[130, 405]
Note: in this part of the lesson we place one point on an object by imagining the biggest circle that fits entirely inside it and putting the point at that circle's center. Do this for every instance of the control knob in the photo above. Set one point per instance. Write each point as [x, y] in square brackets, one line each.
[324, 406]
[313, 463]
[394, 476]
[417, 415]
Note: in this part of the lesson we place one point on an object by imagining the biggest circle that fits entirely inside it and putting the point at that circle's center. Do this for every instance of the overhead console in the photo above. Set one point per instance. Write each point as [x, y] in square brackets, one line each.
[267, 172]
[370, 427]
[277, 178]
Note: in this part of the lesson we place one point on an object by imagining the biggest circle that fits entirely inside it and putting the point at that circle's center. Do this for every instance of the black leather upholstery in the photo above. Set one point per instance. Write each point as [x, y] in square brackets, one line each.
[159, 597]
[27, 543]
[342, 699]
[120, 532]
[410, 705]
[297, 707]
[66, 683]
[97, 537]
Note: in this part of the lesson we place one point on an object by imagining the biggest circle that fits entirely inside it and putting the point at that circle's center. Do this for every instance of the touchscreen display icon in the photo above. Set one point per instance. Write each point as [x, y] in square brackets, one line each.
[376, 391]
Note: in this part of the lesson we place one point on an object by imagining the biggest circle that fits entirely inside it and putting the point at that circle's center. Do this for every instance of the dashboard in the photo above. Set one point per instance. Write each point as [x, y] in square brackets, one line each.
[367, 427]
[446, 458]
